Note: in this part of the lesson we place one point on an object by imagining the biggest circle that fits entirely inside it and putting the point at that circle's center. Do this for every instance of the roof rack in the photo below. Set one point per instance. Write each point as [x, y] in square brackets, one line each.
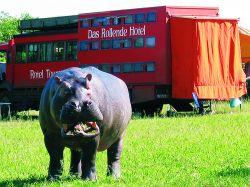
[54, 23]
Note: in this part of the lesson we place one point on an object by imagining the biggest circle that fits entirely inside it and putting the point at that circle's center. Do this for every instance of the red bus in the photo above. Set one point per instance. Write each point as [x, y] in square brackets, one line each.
[134, 45]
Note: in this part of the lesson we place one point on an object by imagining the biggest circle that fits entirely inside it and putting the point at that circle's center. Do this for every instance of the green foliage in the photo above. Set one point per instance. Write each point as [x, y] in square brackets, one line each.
[194, 150]
[9, 25]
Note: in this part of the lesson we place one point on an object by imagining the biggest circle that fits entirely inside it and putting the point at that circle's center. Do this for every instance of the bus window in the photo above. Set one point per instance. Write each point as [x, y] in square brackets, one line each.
[59, 51]
[49, 52]
[96, 22]
[33, 53]
[84, 46]
[150, 42]
[106, 68]
[21, 56]
[106, 21]
[150, 67]
[129, 19]
[106, 44]
[95, 45]
[116, 68]
[116, 20]
[127, 68]
[139, 18]
[85, 23]
[127, 43]
[151, 17]
[71, 50]
[116, 44]
[42, 52]
[138, 67]
[139, 42]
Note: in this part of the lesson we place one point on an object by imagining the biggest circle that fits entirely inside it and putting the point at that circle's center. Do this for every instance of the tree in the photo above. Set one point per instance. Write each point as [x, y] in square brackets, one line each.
[9, 25]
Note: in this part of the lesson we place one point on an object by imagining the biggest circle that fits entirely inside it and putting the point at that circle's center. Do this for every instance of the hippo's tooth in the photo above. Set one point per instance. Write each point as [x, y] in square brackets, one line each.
[65, 127]
[78, 127]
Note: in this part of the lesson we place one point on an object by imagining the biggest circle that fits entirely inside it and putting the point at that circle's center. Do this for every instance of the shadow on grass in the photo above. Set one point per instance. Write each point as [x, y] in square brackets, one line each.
[23, 182]
[239, 172]
[34, 180]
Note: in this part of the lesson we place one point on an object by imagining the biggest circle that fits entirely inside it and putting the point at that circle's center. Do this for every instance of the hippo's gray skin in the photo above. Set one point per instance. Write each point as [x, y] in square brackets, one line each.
[84, 95]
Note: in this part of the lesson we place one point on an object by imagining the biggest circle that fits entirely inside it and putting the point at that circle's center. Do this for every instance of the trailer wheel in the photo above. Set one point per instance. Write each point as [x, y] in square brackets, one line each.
[5, 98]
[148, 109]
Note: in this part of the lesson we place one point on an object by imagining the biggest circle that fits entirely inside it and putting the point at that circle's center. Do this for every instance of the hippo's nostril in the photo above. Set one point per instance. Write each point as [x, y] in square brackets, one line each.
[89, 103]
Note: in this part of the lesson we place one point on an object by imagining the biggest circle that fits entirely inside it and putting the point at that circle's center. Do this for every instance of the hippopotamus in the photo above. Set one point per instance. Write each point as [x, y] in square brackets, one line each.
[86, 110]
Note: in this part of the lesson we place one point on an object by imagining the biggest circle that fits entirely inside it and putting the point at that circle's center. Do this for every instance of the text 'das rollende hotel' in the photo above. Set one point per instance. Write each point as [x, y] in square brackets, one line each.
[113, 33]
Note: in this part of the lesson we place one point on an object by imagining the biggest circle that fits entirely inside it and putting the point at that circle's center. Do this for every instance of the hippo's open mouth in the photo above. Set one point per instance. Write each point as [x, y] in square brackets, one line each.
[86, 130]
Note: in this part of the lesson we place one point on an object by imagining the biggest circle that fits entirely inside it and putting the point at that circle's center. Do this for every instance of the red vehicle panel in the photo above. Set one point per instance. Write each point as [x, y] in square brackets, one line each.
[131, 44]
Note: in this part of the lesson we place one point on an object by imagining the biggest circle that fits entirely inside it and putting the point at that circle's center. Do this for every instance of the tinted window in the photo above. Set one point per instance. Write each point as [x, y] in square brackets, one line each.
[116, 68]
[127, 43]
[106, 21]
[139, 42]
[21, 55]
[116, 44]
[106, 68]
[106, 44]
[138, 67]
[59, 51]
[150, 42]
[139, 18]
[95, 45]
[84, 45]
[116, 21]
[33, 53]
[150, 67]
[95, 22]
[43, 52]
[129, 19]
[49, 52]
[85, 23]
[71, 50]
[151, 17]
[127, 68]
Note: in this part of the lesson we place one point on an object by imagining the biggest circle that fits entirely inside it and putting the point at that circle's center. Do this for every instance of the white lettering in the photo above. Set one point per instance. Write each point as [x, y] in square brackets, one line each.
[36, 74]
[93, 34]
[137, 31]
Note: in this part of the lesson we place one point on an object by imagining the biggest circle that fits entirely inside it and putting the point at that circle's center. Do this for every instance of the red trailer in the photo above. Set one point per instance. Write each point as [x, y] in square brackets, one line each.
[134, 45]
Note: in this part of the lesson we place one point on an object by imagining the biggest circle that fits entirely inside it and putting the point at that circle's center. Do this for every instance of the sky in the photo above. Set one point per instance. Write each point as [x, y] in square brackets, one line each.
[52, 8]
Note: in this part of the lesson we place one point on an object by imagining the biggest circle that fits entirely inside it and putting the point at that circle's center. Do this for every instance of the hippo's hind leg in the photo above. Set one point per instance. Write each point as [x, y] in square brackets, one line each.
[114, 154]
[75, 163]
[55, 150]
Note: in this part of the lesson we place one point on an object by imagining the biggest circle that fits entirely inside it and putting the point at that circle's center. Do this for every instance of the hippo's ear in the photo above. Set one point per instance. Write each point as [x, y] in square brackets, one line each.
[58, 80]
[88, 77]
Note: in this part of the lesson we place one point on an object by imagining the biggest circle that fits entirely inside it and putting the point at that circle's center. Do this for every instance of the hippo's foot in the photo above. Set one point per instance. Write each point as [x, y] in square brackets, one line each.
[89, 174]
[53, 177]
[55, 173]
[114, 171]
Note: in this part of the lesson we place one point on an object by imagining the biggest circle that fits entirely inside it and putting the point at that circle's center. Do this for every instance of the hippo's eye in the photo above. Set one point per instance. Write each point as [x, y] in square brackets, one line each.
[66, 92]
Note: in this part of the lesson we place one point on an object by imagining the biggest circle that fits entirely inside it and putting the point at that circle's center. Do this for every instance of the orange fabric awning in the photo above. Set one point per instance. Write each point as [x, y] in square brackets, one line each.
[245, 44]
[206, 58]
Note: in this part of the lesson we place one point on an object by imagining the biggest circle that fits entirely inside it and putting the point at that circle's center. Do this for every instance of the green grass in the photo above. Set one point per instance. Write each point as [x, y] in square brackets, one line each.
[189, 150]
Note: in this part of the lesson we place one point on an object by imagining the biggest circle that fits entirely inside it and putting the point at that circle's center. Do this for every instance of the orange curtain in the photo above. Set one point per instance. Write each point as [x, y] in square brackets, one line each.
[206, 58]
[245, 44]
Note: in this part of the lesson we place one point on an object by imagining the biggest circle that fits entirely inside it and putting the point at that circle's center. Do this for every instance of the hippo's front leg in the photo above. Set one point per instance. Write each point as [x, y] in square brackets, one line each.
[88, 160]
[55, 150]
[75, 163]
[114, 154]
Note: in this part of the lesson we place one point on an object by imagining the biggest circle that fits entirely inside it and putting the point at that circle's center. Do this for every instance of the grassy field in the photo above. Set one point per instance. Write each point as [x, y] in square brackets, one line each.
[187, 150]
